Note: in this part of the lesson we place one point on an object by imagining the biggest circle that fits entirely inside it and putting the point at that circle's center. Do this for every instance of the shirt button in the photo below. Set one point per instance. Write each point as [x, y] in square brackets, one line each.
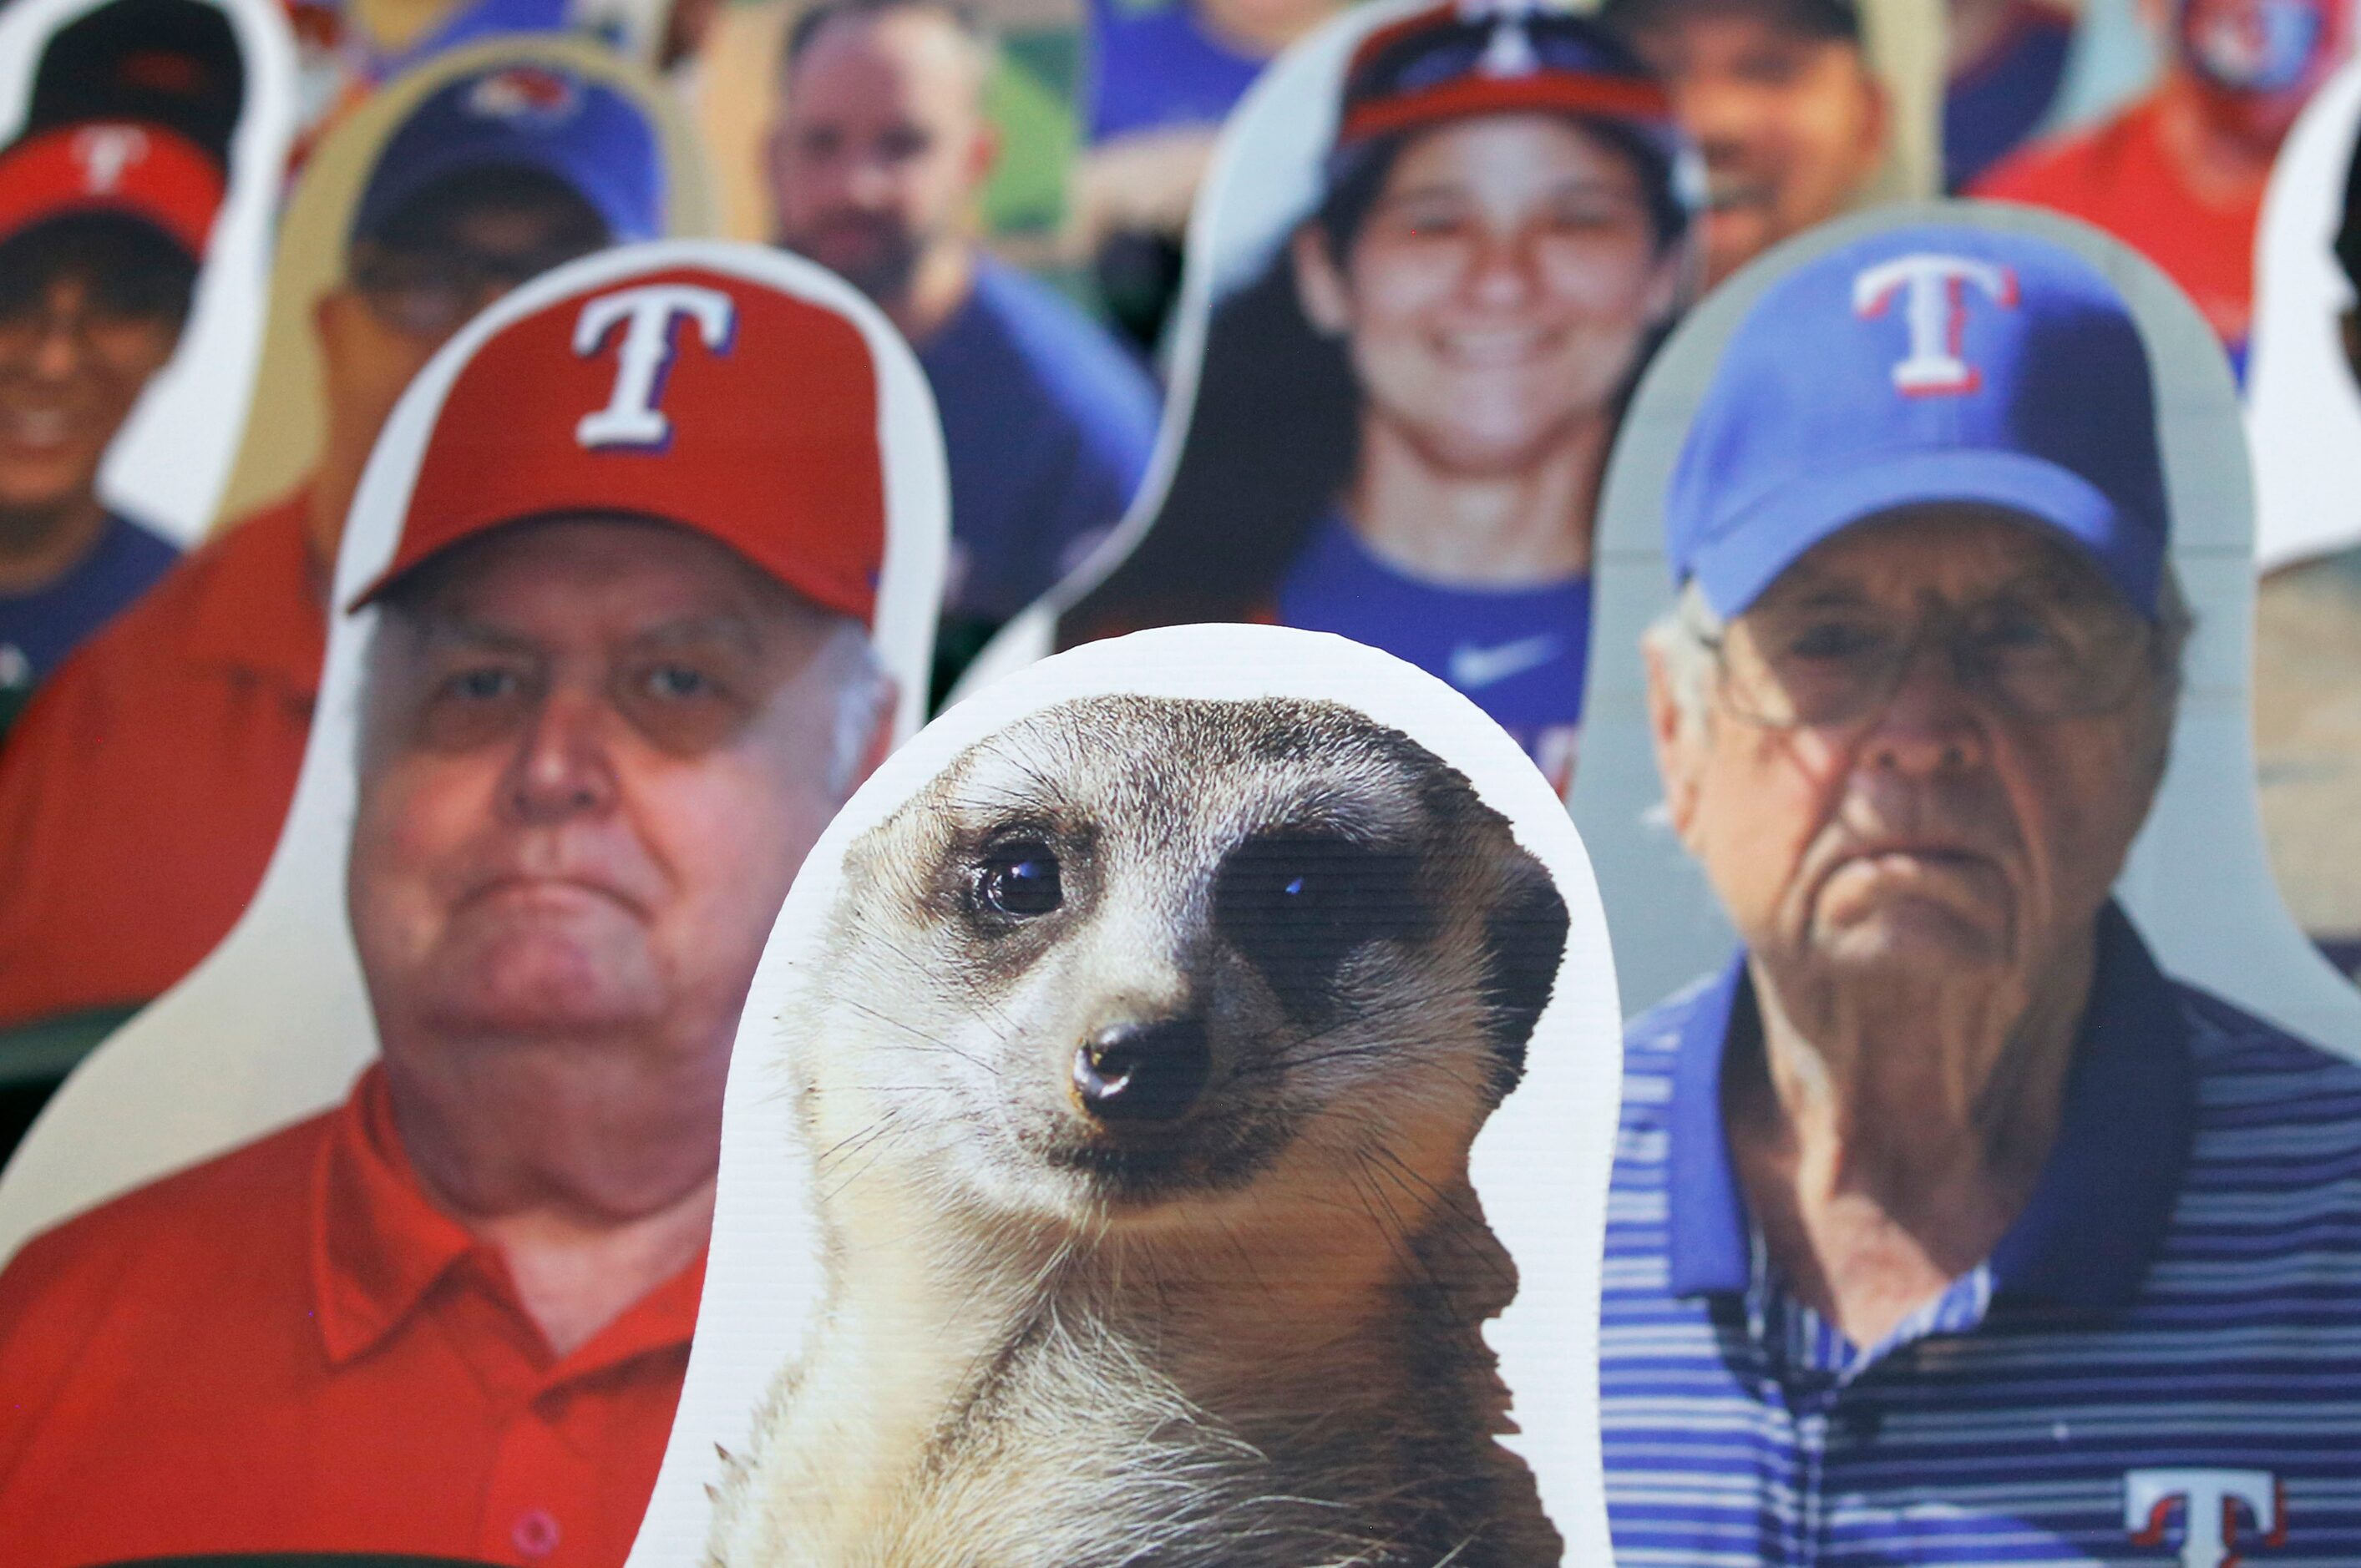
[536, 1533]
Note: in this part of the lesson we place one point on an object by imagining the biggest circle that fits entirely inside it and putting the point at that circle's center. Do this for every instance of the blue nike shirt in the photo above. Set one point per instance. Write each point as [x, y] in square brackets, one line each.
[1047, 429]
[1519, 653]
[1154, 67]
[39, 629]
[2159, 1364]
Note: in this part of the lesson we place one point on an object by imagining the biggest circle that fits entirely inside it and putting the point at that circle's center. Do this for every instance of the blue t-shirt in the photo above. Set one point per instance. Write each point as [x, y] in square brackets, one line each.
[39, 629]
[1518, 652]
[1047, 429]
[2157, 1364]
[1154, 67]
[1994, 104]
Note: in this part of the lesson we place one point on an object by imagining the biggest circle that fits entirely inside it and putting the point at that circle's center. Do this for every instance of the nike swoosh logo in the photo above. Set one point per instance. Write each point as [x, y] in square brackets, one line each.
[1473, 666]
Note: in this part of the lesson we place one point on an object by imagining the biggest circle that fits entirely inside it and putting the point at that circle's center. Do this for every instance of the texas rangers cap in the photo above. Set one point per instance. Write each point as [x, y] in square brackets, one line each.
[1487, 57]
[1927, 362]
[686, 395]
[533, 115]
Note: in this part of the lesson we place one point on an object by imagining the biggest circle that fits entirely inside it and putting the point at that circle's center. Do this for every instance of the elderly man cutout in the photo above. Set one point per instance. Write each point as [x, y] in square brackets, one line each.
[1948, 1229]
[622, 678]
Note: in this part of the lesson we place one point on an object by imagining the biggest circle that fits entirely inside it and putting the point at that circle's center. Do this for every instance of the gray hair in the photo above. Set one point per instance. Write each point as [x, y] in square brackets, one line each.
[1686, 637]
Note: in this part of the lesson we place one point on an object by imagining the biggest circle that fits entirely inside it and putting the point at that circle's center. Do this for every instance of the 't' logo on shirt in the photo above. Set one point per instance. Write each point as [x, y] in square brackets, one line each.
[2209, 1505]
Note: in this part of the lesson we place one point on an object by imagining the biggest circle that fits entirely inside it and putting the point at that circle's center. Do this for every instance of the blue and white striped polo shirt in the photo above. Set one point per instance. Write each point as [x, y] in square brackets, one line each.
[2160, 1363]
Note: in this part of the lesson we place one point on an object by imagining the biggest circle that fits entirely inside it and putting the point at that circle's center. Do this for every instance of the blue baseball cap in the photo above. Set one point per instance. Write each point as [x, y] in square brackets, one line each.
[1927, 363]
[529, 115]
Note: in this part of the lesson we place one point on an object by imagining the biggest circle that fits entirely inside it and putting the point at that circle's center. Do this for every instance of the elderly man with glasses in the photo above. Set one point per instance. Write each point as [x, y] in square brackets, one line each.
[1949, 1229]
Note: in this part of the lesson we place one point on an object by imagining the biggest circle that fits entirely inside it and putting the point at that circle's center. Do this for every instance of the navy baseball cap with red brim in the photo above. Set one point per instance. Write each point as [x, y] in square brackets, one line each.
[1927, 364]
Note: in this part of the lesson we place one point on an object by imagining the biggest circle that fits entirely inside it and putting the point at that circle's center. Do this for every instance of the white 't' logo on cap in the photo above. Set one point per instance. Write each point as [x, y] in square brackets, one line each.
[631, 417]
[1934, 307]
[1509, 52]
[106, 151]
[2209, 1500]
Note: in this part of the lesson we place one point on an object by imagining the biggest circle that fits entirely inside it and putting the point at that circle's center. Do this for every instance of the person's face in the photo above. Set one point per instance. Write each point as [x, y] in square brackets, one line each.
[1790, 125]
[379, 326]
[73, 360]
[1498, 291]
[879, 147]
[593, 758]
[1939, 826]
[2261, 58]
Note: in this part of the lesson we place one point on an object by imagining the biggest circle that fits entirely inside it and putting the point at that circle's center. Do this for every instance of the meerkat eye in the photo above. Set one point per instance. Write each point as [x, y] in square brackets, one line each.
[1020, 879]
[1297, 903]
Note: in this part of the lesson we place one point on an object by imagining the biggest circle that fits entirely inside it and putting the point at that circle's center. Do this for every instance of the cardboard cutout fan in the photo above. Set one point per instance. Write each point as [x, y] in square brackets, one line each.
[283, 440]
[274, 1025]
[173, 116]
[1173, 1119]
[1359, 358]
[2196, 883]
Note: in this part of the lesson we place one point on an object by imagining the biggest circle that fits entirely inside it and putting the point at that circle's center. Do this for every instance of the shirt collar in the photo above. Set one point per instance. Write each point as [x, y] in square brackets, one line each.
[380, 1247]
[259, 610]
[377, 1244]
[2104, 1196]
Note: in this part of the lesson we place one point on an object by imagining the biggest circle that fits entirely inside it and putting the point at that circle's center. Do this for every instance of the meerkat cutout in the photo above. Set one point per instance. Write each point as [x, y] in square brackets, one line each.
[1314, 434]
[2304, 418]
[2197, 882]
[168, 461]
[284, 437]
[1172, 1081]
[275, 1024]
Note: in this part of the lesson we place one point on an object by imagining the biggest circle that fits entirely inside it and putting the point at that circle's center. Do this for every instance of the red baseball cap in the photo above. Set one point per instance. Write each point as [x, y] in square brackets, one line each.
[137, 167]
[686, 395]
[1487, 57]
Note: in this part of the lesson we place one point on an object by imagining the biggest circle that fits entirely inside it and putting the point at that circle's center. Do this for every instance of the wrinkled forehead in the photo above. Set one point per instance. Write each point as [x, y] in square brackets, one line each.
[1202, 772]
[1951, 552]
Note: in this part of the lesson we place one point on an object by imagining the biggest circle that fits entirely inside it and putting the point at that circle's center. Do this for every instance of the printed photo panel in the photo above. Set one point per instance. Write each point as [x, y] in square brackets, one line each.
[284, 438]
[2303, 415]
[168, 460]
[1047, 1038]
[2201, 833]
[276, 1023]
[1313, 436]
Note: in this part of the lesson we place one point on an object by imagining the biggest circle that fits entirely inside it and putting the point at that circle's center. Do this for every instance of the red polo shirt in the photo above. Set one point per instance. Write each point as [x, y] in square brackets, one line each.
[289, 1348]
[143, 789]
[2119, 177]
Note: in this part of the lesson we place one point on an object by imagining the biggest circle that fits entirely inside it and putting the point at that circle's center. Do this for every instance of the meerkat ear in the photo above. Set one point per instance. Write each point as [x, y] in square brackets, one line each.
[1524, 942]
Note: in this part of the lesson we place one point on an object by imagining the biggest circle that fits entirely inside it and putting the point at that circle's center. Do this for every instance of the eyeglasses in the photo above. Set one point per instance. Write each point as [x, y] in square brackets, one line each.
[110, 321]
[2036, 658]
[433, 293]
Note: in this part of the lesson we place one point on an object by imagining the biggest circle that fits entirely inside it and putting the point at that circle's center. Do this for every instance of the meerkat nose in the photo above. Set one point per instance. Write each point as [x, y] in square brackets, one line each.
[1143, 1072]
